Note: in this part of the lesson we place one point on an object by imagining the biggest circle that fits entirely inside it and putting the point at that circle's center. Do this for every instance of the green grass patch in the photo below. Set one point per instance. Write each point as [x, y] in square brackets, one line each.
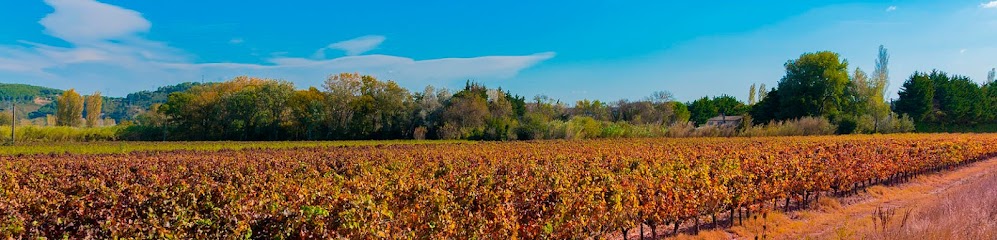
[127, 147]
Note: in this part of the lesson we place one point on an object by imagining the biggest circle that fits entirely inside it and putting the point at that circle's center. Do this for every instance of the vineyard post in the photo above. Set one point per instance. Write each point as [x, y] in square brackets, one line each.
[740, 216]
[675, 231]
[732, 216]
[697, 224]
[715, 225]
[805, 203]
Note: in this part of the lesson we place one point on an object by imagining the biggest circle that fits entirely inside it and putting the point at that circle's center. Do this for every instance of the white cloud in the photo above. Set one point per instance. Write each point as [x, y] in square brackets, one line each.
[891, 8]
[85, 21]
[992, 4]
[108, 53]
[354, 46]
[962, 51]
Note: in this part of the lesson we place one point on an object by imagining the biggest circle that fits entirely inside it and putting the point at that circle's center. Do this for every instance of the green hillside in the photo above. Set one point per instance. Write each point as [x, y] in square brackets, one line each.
[25, 92]
[37, 102]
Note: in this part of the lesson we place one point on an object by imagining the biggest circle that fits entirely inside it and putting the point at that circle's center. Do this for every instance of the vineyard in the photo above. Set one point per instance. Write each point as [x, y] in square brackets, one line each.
[541, 189]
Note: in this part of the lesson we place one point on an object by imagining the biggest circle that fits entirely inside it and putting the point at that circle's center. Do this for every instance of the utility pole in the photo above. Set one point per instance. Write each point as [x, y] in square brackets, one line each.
[13, 120]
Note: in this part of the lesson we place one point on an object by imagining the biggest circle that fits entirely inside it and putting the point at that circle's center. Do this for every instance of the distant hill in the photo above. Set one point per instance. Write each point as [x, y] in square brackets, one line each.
[25, 92]
[37, 102]
[134, 103]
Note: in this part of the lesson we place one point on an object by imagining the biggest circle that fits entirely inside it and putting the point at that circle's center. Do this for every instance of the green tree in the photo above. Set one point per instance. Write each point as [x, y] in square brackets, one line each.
[762, 93]
[958, 98]
[466, 114]
[501, 122]
[990, 100]
[342, 89]
[916, 97]
[244, 108]
[866, 100]
[705, 108]
[69, 109]
[992, 75]
[814, 85]
[765, 110]
[381, 111]
[751, 95]
[881, 76]
[702, 110]
[548, 109]
[876, 104]
[595, 109]
[308, 111]
[729, 105]
[857, 94]
[682, 113]
[428, 107]
[93, 107]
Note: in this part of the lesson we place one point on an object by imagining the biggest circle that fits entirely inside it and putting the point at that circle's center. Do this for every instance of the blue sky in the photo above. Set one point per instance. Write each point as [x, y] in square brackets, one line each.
[574, 50]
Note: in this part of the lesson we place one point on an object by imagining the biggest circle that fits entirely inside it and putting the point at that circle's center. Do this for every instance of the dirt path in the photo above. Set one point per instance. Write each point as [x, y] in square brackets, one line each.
[864, 215]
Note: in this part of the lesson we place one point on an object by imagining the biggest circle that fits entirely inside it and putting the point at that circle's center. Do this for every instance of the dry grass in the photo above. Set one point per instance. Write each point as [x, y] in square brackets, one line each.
[968, 211]
[959, 204]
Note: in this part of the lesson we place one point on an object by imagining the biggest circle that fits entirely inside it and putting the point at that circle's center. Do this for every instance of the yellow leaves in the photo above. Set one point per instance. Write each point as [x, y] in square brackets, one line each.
[558, 189]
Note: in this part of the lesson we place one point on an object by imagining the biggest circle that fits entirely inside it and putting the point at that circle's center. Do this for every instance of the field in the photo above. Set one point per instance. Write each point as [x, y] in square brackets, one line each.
[539, 189]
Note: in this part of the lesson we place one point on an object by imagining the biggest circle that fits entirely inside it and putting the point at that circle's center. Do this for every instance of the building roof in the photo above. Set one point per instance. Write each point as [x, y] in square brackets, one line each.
[726, 118]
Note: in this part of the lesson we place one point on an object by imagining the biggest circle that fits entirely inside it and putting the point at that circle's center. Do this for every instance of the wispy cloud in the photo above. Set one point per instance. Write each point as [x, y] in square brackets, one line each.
[81, 22]
[354, 46]
[107, 49]
[891, 8]
[96, 32]
[992, 4]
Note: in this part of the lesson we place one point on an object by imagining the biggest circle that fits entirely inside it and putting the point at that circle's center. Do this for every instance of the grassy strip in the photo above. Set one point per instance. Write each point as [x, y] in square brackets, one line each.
[35, 134]
[127, 147]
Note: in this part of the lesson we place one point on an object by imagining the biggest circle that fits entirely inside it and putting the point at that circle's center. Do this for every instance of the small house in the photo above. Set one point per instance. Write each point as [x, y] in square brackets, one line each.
[725, 121]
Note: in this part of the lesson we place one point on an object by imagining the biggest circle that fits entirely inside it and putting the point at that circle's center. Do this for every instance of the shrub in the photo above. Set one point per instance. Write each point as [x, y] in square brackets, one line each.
[450, 131]
[627, 130]
[847, 126]
[714, 131]
[891, 123]
[616, 130]
[531, 127]
[581, 127]
[420, 133]
[805, 126]
[556, 129]
[681, 129]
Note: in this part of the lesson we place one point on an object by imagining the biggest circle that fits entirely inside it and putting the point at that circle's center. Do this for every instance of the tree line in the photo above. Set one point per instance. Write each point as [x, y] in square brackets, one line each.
[355, 106]
[819, 88]
[943, 102]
